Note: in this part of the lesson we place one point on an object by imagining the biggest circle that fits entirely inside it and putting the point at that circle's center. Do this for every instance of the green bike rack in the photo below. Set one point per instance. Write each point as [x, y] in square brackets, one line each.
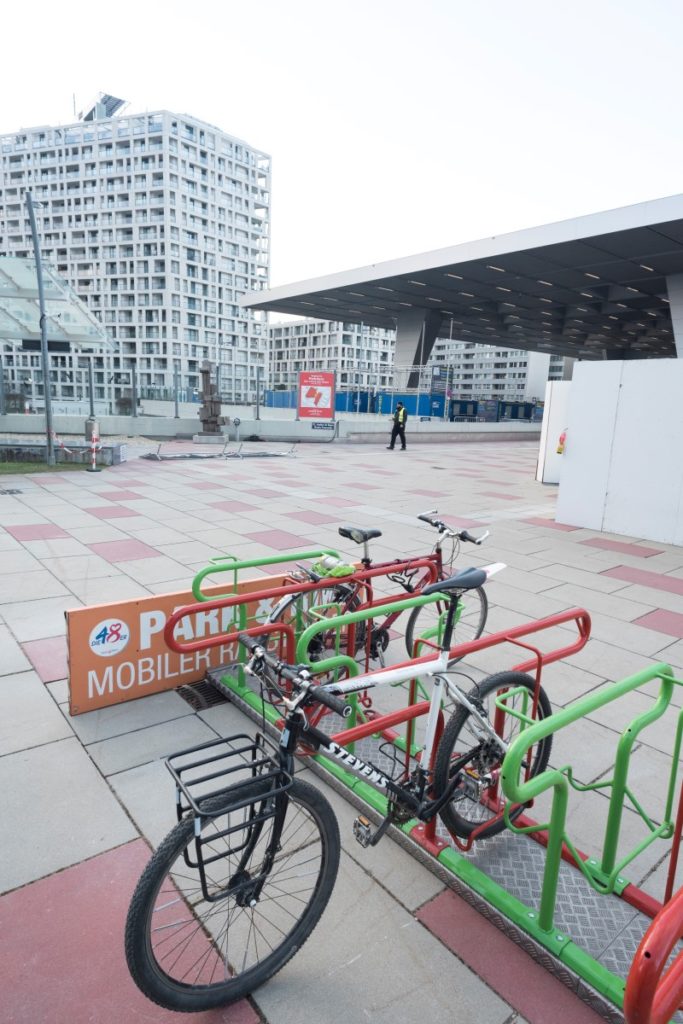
[229, 563]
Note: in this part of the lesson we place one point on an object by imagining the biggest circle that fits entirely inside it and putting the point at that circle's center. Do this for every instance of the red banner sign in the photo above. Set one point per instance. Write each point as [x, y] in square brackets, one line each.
[316, 395]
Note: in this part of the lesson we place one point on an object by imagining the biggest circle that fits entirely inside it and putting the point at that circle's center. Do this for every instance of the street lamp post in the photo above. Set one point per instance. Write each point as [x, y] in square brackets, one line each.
[44, 354]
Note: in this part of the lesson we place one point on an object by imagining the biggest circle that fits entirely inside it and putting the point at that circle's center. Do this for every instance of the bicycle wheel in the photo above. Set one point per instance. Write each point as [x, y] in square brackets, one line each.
[476, 798]
[188, 953]
[427, 621]
[305, 609]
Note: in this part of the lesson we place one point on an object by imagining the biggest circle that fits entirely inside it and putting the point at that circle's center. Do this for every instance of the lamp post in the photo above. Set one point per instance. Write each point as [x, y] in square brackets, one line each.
[44, 354]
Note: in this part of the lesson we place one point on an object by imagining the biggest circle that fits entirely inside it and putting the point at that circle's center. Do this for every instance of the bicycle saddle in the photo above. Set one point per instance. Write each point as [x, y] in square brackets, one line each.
[356, 534]
[468, 579]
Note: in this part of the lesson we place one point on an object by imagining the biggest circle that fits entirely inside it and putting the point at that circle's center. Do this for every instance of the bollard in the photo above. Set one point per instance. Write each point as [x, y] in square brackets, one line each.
[94, 445]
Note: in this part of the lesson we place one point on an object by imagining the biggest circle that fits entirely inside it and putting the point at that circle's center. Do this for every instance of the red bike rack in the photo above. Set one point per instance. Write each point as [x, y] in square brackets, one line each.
[653, 994]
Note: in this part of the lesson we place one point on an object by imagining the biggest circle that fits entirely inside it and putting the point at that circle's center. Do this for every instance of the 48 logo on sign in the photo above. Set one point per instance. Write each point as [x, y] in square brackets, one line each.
[109, 637]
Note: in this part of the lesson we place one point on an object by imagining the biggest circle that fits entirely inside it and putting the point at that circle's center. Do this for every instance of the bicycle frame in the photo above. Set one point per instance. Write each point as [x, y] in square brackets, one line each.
[297, 729]
[361, 587]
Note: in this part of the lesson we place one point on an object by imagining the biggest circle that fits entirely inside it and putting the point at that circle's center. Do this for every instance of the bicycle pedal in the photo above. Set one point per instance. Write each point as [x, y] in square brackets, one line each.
[362, 831]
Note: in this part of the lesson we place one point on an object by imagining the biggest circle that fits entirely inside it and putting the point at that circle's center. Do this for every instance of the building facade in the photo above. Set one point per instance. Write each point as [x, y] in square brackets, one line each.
[159, 222]
[361, 356]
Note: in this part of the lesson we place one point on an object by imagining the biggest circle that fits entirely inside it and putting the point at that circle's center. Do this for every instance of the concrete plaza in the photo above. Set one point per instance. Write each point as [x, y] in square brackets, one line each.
[84, 798]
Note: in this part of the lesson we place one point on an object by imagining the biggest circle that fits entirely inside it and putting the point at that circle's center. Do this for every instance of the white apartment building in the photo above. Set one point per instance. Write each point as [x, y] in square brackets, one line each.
[159, 222]
[361, 356]
[476, 371]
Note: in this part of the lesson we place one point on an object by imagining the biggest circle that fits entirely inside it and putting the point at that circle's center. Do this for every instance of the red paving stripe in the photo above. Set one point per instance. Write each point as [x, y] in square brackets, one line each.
[550, 523]
[621, 547]
[463, 524]
[112, 512]
[233, 506]
[120, 496]
[51, 478]
[315, 518]
[428, 494]
[536, 994]
[656, 580]
[500, 494]
[663, 622]
[265, 493]
[71, 924]
[344, 502]
[124, 550]
[280, 539]
[208, 486]
[41, 531]
[48, 657]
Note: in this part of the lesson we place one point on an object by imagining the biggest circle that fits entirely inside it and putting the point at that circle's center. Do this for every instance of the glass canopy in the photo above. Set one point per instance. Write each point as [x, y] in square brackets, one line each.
[68, 319]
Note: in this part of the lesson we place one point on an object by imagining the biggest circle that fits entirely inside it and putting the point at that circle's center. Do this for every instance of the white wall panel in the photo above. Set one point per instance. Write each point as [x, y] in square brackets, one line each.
[623, 464]
[646, 474]
[586, 461]
[555, 419]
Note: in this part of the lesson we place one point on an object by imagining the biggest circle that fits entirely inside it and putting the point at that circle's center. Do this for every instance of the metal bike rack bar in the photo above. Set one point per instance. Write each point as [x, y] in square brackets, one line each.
[511, 878]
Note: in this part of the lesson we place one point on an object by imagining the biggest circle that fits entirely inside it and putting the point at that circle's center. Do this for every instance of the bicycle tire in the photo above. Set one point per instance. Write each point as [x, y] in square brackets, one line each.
[298, 610]
[463, 814]
[431, 617]
[172, 928]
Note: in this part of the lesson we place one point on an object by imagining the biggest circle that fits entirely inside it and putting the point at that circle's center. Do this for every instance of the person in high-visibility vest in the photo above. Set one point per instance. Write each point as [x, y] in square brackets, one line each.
[399, 428]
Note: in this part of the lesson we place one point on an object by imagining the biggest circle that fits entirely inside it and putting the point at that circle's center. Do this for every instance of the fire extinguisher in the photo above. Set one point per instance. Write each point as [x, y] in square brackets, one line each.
[562, 441]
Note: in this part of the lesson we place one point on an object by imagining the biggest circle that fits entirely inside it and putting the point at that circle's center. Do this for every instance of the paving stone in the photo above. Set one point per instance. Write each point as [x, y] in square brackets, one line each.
[126, 751]
[59, 691]
[102, 589]
[148, 794]
[30, 716]
[33, 620]
[73, 814]
[72, 924]
[12, 658]
[130, 717]
[48, 657]
[341, 973]
[28, 586]
[152, 570]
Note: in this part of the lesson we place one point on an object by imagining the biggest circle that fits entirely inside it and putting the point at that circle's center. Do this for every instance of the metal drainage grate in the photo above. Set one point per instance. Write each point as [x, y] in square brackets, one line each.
[203, 695]
[9, 492]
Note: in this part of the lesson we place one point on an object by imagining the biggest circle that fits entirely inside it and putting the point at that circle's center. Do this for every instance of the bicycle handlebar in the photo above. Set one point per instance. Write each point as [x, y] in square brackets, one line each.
[294, 674]
[426, 517]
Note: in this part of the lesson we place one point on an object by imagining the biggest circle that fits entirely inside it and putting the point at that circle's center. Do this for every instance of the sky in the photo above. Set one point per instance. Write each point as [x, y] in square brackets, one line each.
[394, 127]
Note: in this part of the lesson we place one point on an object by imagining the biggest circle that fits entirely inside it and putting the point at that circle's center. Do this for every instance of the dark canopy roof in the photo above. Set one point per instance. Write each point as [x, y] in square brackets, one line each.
[587, 287]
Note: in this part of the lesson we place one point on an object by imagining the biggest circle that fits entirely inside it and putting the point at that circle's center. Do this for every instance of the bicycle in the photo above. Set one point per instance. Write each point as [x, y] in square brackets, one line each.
[238, 885]
[340, 597]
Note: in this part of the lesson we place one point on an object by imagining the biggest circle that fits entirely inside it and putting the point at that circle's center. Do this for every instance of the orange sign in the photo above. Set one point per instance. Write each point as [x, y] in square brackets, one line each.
[316, 395]
[117, 651]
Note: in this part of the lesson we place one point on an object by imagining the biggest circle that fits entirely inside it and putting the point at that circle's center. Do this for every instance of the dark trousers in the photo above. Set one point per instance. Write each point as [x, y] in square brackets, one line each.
[398, 431]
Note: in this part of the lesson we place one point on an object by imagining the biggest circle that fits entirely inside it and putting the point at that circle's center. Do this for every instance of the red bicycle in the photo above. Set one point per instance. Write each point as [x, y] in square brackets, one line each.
[369, 640]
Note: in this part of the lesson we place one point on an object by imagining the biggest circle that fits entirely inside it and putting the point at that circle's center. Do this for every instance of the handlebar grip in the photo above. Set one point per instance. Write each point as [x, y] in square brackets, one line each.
[425, 519]
[250, 642]
[323, 696]
[464, 535]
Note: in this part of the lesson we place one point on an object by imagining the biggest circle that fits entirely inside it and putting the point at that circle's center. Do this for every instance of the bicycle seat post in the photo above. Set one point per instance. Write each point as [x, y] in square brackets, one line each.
[449, 624]
[366, 561]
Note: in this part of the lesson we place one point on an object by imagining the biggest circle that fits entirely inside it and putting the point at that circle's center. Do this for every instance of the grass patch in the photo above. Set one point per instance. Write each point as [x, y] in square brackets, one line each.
[12, 468]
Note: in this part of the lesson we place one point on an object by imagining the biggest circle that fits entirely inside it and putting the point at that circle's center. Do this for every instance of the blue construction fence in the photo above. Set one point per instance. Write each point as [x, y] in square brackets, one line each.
[427, 406]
